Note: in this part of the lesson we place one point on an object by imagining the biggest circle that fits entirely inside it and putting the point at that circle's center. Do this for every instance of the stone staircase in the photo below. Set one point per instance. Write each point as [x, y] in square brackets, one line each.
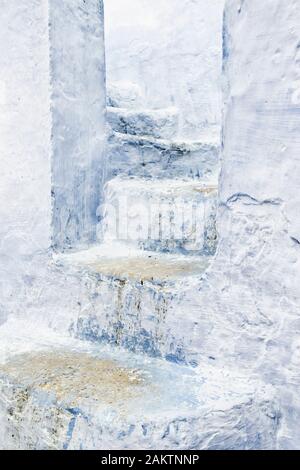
[158, 236]
[128, 373]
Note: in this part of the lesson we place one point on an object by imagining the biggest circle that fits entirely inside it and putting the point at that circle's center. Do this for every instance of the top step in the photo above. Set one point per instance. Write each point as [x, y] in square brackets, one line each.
[161, 123]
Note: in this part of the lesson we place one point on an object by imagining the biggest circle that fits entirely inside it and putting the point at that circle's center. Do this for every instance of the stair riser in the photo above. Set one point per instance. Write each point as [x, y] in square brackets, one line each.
[136, 316]
[34, 421]
[182, 223]
[143, 159]
[161, 124]
[29, 424]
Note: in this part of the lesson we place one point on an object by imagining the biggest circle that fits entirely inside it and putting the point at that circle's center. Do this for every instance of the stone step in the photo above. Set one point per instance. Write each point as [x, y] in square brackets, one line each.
[160, 124]
[171, 216]
[131, 298]
[62, 394]
[146, 156]
[124, 94]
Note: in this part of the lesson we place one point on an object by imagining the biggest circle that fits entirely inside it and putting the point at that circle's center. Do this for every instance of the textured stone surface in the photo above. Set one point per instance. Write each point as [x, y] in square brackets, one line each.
[127, 298]
[68, 125]
[147, 156]
[41, 113]
[78, 118]
[154, 66]
[170, 50]
[161, 124]
[242, 313]
[171, 216]
[259, 217]
[69, 396]
[25, 129]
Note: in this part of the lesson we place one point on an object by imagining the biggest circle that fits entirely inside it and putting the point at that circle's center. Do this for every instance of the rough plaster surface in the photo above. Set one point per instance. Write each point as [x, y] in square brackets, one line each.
[163, 53]
[91, 398]
[164, 61]
[53, 97]
[148, 157]
[251, 289]
[45, 128]
[171, 217]
[78, 118]
[25, 129]
[242, 313]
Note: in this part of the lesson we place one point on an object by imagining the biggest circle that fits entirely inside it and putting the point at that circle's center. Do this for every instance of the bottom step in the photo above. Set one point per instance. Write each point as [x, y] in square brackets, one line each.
[59, 393]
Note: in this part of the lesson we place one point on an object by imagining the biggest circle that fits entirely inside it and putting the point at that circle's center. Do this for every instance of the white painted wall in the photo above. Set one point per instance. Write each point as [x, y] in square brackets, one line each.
[25, 148]
[25, 128]
[247, 306]
[246, 309]
[51, 140]
[260, 223]
[163, 53]
[75, 124]
[78, 116]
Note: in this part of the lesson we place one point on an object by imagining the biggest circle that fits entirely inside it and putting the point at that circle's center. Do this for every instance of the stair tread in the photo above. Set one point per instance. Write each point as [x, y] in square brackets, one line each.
[140, 111]
[113, 395]
[37, 359]
[143, 109]
[170, 144]
[169, 186]
[125, 262]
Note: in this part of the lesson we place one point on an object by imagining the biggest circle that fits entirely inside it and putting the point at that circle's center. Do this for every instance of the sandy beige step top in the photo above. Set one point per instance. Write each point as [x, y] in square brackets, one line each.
[169, 187]
[59, 393]
[120, 261]
[75, 376]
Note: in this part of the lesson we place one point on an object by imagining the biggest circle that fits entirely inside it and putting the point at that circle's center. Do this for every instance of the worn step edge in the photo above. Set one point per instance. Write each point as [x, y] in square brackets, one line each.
[183, 147]
[157, 123]
[167, 407]
[170, 216]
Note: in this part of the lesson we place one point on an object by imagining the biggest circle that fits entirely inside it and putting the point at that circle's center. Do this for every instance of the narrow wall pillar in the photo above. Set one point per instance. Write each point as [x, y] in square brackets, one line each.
[78, 118]
[260, 178]
[52, 120]
[25, 130]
